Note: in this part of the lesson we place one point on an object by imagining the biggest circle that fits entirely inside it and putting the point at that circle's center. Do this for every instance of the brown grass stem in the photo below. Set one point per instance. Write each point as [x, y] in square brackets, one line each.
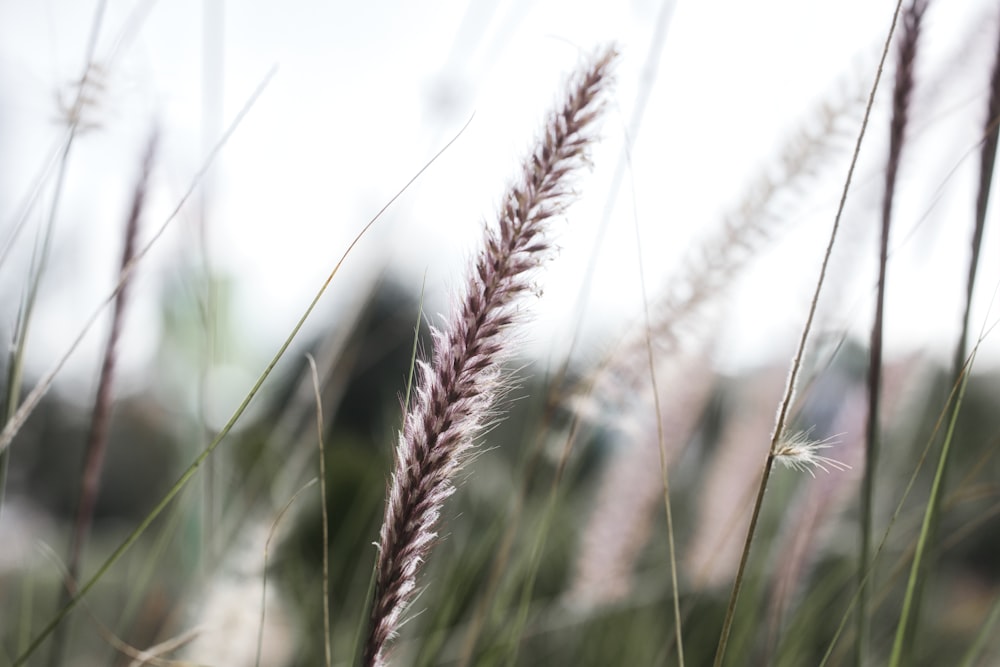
[902, 92]
[779, 428]
[139, 657]
[96, 445]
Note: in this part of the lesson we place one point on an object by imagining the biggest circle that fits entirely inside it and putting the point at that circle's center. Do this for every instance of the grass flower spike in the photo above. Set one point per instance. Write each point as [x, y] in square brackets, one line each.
[455, 391]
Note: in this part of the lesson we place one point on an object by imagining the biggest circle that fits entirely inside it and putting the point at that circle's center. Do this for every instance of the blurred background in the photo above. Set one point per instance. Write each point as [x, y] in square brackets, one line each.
[283, 128]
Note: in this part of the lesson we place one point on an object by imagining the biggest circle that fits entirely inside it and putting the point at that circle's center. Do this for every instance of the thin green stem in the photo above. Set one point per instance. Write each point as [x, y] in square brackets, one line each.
[320, 441]
[660, 439]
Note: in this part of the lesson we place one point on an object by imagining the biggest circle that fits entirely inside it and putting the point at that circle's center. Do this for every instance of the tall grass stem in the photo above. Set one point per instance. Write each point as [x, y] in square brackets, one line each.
[902, 91]
[779, 429]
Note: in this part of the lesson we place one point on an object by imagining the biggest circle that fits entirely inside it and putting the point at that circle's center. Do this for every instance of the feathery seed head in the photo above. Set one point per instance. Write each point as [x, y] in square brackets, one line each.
[800, 452]
[456, 389]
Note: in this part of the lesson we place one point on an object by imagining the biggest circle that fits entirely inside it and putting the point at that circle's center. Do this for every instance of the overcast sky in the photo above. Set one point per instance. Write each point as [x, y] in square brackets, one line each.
[362, 94]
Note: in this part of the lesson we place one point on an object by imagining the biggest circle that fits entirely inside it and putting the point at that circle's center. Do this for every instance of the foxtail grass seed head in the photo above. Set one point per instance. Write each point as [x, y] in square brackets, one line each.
[456, 390]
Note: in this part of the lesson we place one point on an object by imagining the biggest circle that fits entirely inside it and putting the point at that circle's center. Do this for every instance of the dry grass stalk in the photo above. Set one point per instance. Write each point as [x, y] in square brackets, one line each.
[97, 438]
[96, 445]
[456, 390]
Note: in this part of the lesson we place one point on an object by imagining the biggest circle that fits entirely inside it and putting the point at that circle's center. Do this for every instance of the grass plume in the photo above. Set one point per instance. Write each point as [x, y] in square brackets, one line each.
[455, 391]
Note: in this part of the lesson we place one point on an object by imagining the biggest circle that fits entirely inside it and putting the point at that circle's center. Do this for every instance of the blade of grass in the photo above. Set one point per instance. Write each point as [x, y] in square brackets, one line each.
[548, 516]
[485, 603]
[942, 416]
[899, 644]
[323, 512]
[212, 91]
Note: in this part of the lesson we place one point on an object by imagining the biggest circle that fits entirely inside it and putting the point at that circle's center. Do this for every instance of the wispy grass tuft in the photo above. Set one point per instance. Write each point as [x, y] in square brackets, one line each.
[800, 452]
[455, 392]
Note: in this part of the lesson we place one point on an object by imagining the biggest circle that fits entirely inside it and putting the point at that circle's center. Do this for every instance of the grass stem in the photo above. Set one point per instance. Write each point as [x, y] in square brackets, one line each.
[779, 429]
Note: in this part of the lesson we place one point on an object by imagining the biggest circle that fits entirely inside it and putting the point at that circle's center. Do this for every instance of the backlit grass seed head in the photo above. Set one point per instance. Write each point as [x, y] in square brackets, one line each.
[800, 452]
[456, 389]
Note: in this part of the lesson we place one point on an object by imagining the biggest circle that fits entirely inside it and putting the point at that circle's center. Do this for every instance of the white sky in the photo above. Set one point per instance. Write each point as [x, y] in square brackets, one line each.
[366, 92]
